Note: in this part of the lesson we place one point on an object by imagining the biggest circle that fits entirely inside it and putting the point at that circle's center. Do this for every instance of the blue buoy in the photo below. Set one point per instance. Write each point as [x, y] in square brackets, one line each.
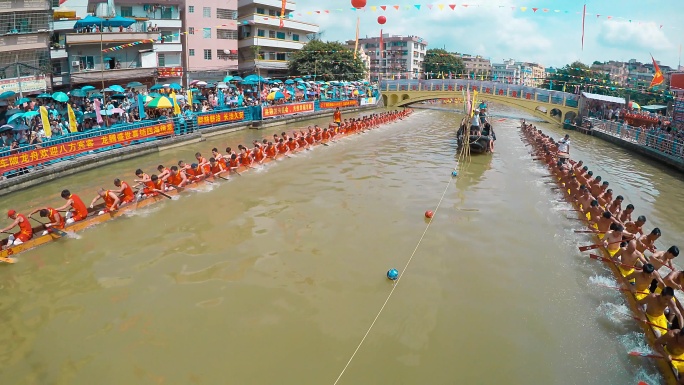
[393, 274]
[454, 173]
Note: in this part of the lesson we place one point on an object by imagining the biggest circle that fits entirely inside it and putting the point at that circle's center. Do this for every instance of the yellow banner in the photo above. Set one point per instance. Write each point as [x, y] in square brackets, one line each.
[73, 126]
[190, 98]
[46, 121]
[176, 107]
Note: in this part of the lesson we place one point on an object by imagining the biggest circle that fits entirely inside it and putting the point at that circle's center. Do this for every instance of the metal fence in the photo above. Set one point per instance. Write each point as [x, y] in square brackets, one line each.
[182, 125]
[656, 140]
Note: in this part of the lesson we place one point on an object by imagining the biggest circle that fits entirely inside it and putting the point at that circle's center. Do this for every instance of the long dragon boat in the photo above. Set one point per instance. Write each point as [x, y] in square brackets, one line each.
[94, 218]
[666, 369]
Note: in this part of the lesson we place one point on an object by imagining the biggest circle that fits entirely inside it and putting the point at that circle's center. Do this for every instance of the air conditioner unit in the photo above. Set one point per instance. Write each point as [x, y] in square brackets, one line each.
[75, 63]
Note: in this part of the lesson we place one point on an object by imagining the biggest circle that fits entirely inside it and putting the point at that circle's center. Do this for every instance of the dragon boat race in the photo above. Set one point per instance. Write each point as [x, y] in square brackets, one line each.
[263, 192]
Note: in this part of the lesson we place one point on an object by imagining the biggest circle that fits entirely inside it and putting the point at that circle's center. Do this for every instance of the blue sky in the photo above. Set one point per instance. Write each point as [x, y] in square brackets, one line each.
[492, 29]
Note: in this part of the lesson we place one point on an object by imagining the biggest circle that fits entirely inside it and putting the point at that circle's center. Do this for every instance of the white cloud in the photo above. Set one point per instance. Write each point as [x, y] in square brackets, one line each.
[633, 35]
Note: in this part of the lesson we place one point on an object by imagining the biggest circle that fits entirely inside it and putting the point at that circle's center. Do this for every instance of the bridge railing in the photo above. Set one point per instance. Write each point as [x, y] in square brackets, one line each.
[484, 87]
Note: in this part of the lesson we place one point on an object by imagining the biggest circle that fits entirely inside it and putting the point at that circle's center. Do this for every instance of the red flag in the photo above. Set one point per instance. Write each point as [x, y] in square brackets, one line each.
[452, 6]
[282, 13]
[584, 14]
[658, 77]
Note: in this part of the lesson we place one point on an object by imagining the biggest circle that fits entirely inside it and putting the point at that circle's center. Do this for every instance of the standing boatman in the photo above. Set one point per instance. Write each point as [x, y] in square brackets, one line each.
[337, 117]
[564, 148]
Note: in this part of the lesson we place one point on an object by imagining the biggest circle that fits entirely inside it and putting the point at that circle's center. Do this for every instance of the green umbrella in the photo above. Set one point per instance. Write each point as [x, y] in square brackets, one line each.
[79, 93]
[23, 100]
[44, 96]
[60, 97]
[160, 102]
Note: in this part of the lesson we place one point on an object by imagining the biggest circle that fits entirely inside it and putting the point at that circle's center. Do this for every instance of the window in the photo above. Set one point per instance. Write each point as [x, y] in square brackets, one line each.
[167, 13]
[206, 11]
[206, 33]
[55, 3]
[280, 35]
[191, 52]
[222, 13]
[56, 67]
[226, 34]
[272, 12]
[191, 30]
[126, 11]
[161, 60]
[295, 37]
[280, 56]
[261, 33]
[87, 62]
[271, 34]
[261, 11]
[191, 9]
[207, 54]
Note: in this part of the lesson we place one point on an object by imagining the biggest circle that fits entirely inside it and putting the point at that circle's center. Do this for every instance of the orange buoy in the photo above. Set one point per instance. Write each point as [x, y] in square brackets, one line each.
[429, 214]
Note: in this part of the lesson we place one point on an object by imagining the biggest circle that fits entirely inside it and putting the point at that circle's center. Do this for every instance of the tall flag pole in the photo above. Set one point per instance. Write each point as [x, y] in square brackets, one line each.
[584, 16]
[356, 46]
[282, 13]
[658, 77]
[382, 47]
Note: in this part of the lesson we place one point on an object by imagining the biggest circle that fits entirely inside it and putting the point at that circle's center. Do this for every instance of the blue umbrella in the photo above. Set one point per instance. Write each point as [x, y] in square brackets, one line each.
[87, 88]
[96, 96]
[31, 114]
[228, 78]
[44, 96]
[253, 78]
[118, 21]
[118, 96]
[78, 93]
[15, 117]
[20, 127]
[298, 80]
[175, 86]
[236, 79]
[301, 87]
[117, 88]
[134, 84]
[23, 100]
[88, 21]
[156, 87]
[289, 81]
[6, 127]
[60, 97]
[7, 94]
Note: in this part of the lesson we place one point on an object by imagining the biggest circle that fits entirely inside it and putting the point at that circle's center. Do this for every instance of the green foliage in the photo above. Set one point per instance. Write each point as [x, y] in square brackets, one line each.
[440, 61]
[326, 61]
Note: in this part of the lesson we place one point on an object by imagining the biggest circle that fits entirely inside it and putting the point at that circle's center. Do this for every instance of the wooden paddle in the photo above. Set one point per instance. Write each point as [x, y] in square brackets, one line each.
[596, 246]
[49, 229]
[219, 176]
[635, 317]
[656, 356]
[608, 260]
[590, 232]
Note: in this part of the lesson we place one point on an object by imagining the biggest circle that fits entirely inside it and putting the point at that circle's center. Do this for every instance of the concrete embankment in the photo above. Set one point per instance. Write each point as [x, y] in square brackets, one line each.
[648, 152]
[92, 161]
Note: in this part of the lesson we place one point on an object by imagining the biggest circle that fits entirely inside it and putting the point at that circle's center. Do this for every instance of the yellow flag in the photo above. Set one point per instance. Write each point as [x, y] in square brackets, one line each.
[46, 121]
[190, 98]
[176, 108]
[73, 126]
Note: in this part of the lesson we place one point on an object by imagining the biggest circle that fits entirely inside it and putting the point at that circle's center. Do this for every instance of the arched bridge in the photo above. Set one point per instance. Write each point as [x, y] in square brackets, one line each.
[552, 106]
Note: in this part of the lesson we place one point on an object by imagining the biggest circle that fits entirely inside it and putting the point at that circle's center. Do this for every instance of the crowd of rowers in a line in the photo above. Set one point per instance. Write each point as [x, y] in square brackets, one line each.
[625, 240]
[177, 177]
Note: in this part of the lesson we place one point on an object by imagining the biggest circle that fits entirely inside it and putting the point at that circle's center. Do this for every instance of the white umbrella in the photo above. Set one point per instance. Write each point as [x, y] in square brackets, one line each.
[201, 83]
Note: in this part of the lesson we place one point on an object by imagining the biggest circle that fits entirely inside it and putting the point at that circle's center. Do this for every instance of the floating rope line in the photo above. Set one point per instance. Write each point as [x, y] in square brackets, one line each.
[395, 284]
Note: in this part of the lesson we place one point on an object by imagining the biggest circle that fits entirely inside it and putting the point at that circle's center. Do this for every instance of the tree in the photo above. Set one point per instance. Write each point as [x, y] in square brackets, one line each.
[579, 74]
[326, 61]
[438, 61]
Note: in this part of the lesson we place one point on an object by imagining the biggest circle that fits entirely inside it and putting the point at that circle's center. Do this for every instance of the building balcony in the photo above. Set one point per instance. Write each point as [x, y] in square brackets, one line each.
[164, 23]
[32, 41]
[265, 43]
[97, 75]
[289, 6]
[109, 37]
[168, 47]
[63, 25]
[24, 5]
[58, 52]
[274, 21]
[252, 65]
[59, 80]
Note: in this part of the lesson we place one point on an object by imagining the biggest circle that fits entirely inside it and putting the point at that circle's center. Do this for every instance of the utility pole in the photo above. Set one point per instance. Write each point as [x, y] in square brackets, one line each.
[16, 63]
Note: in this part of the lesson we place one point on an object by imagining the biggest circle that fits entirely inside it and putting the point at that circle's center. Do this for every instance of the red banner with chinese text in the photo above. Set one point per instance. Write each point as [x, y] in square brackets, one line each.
[220, 117]
[45, 154]
[169, 72]
[340, 103]
[287, 109]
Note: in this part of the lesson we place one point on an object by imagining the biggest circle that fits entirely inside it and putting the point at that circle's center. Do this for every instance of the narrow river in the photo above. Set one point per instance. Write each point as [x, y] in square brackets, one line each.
[275, 276]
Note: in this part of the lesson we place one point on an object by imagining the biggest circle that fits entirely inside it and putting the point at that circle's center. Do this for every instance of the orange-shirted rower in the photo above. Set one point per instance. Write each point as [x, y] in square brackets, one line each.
[110, 199]
[125, 191]
[259, 155]
[56, 220]
[292, 144]
[337, 117]
[282, 147]
[78, 210]
[245, 158]
[176, 179]
[25, 229]
[215, 168]
[163, 171]
[271, 151]
[234, 163]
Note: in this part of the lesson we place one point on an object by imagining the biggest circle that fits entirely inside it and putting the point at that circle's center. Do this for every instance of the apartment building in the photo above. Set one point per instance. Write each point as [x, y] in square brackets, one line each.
[476, 66]
[401, 57]
[24, 45]
[263, 46]
[522, 73]
[617, 71]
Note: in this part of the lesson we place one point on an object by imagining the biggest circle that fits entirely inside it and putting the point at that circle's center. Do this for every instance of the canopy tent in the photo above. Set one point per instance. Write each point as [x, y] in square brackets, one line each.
[604, 98]
[655, 107]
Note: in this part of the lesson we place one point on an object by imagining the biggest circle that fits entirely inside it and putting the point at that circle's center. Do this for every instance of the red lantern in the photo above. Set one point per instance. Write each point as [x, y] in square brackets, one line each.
[382, 20]
[358, 3]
